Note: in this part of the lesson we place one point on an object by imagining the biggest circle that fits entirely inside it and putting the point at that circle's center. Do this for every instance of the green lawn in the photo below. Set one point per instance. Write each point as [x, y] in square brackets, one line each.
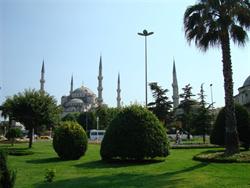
[178, 170]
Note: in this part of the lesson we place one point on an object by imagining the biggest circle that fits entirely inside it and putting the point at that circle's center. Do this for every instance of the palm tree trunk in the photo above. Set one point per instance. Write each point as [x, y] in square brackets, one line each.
[231, 134]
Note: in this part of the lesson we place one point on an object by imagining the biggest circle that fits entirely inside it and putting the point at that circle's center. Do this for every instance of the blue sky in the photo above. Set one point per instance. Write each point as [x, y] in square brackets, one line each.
[70, 35]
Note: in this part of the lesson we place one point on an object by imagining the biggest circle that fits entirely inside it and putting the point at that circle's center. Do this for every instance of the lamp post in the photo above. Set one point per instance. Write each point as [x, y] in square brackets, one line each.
[97, 127]
[145, 33]
[211, 90]
[212, 102]
[86, 119]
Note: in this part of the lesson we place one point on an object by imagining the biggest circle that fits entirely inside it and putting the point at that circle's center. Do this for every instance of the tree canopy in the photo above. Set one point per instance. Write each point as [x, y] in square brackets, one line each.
[186, 105]
[161, 107]
[33, 109]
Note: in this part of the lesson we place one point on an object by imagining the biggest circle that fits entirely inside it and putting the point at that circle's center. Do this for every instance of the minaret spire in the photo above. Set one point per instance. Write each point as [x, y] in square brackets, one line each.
[42, 80]
[175, 88]
[71, 84]
[118, 92]
[100, 88]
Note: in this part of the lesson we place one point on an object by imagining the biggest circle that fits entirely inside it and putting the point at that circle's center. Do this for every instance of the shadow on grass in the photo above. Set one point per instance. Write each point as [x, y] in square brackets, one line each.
[164, 180]
[46, 160]
[16, 151]
[189, 169]
[9, 147]
[116, 163]
[115, 181]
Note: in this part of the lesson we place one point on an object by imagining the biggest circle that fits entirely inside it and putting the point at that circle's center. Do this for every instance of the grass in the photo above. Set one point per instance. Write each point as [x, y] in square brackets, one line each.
[178, 170]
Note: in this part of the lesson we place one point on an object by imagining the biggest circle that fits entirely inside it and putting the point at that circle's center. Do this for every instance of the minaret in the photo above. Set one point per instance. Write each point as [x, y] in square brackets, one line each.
[118, 92]
[71, 85]
[175, 88]
[42, 80]
[100, 88]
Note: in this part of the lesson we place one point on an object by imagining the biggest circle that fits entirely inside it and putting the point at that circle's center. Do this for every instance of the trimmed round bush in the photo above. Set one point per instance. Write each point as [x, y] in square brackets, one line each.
[243, 127]
[134, 134]
[70, 141]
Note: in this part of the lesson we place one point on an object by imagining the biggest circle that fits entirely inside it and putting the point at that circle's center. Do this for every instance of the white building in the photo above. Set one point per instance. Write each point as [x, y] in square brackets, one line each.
[243, 97]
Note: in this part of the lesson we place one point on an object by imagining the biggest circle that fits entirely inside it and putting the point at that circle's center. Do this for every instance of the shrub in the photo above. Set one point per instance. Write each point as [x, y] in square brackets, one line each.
[7, 176]
[49, 175]
[70, 141]
[218, 156]
[12, 134]
[134, 134]
[243, 127]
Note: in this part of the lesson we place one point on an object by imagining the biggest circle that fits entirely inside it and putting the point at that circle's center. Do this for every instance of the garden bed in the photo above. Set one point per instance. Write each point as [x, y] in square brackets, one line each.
[193, 146]
[220, 157]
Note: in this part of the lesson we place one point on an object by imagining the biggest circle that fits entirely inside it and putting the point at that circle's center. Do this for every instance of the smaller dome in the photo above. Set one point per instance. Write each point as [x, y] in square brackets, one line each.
[247, 82]
[75, 101]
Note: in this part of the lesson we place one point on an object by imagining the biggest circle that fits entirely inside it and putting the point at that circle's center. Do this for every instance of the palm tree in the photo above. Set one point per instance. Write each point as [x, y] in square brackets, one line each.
[213, 23]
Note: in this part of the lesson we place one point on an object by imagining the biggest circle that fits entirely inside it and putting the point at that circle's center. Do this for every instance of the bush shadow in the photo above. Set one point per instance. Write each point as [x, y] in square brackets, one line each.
[163, 180]
[189, 169]
[116, 163]
[46, 160]
[10, 148]
[118, 180]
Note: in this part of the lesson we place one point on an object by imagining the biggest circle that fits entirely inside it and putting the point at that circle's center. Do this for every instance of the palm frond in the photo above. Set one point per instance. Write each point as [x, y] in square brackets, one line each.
[205, 22]
[239, 35]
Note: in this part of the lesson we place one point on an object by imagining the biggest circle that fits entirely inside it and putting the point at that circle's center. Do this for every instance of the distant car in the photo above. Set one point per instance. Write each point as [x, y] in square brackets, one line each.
[96, 134]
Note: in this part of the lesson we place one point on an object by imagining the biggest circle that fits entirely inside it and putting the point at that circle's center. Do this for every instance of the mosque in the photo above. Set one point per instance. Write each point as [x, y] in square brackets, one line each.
[82, 99]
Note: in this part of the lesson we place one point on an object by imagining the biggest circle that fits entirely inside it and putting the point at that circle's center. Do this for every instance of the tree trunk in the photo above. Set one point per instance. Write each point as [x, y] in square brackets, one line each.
[12, 141]
[231, 133]
[204, 138]
[30, 137]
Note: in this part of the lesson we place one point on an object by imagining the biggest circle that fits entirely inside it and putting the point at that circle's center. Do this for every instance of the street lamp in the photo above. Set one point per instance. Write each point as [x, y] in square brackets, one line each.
[211, 90]
[212, 105]
[145, 33]
[97, 128]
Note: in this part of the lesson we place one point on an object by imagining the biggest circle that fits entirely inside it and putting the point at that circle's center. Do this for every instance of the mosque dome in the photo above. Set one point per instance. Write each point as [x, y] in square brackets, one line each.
[82, 92]
[74, 102]
[247, 82]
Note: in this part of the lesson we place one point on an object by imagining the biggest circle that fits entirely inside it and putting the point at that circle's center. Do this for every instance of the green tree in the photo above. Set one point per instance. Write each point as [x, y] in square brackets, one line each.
[202, 120]
[186, 105]
[214, 23]
[161, 107]
[102, 114]
[32, 109]
[87, 120]
[73, 116]
[106, 115]
[243, 126]
[12, 134]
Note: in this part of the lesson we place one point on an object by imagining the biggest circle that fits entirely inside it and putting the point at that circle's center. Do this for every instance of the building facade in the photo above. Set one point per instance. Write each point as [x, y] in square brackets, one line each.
[243, 97]
[79, 100]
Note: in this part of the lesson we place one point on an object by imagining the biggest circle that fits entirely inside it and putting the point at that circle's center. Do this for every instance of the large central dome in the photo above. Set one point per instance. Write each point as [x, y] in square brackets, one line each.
[247, 82]
[82, 92]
